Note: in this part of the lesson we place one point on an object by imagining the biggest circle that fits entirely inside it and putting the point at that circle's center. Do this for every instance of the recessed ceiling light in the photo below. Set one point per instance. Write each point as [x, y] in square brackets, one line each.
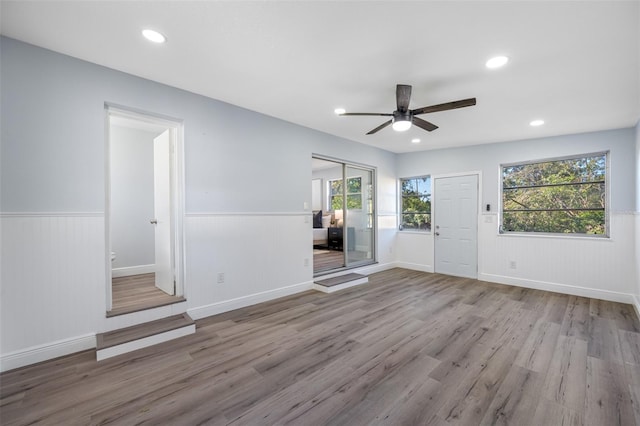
[415, 140]
[153, 36]
[339, 111]
[536, 123]
[497, 62]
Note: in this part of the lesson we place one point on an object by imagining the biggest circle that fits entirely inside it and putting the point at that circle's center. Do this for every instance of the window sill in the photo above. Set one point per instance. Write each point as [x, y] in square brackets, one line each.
[414, 231]
[555, 236]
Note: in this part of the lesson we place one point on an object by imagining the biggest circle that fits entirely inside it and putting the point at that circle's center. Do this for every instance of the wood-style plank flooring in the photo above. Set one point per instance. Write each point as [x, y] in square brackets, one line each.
[407, 348]
[136, 293]
[326, 260]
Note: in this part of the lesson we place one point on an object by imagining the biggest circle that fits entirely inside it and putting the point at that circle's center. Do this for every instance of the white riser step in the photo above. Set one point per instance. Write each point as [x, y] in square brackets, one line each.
[140, 336]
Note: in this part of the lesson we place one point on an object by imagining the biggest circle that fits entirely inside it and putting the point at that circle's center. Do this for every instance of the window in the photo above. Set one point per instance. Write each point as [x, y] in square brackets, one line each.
[415, 203]
[561, 196]
[354, 194]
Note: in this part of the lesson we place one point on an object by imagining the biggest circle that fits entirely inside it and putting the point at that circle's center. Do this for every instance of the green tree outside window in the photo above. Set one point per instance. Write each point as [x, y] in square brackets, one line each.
[354, 194]
[415, 200]
[565, 196]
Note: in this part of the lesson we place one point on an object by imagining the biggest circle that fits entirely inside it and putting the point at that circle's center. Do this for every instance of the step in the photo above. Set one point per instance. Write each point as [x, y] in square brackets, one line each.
[140, 336]
[341, 282]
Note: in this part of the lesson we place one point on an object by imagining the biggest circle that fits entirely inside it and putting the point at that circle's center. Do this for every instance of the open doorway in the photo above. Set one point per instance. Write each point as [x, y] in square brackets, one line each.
[143, 220]
[343, 205]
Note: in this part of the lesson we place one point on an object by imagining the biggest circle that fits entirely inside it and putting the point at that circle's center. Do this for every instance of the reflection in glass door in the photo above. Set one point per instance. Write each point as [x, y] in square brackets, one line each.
[360, 216]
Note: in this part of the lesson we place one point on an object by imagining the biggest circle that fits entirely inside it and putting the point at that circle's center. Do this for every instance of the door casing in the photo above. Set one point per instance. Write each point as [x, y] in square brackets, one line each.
[177, 191]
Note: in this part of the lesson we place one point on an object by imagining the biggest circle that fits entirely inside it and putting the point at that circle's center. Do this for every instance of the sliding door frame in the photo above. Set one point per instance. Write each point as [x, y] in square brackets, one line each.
[374, 226]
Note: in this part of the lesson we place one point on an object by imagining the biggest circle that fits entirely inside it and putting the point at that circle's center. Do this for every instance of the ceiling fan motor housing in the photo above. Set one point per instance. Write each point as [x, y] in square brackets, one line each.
[402, 120]
[402, 116]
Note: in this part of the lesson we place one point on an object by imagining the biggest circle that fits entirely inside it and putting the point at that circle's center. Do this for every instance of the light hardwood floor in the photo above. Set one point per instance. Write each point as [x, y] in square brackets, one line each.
[407, 348]
[326, 260]
[137, 293]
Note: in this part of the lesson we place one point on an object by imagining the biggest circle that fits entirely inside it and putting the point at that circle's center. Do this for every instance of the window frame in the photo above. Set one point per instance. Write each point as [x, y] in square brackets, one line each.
[345, 194]
[607, 197]
[401, 203]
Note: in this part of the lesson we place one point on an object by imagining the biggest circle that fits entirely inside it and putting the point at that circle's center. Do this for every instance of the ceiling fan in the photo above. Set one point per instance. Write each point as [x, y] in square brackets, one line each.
[403, 117]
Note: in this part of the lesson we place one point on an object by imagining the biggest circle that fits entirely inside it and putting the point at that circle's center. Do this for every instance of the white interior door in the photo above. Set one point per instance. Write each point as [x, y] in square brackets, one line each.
[162, 211]
[456, 226]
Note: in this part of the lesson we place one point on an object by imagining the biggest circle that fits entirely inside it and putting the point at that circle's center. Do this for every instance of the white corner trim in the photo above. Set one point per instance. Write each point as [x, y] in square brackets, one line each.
[223, 214]
[612, 296]
[47, 352]
[51, 214]
[127, 271]
[636, 304]
[244, 301]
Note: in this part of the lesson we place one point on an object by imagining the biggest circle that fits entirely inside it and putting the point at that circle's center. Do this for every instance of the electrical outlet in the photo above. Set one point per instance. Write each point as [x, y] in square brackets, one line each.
[220, 277]
[306, 205]
[512, 264]
[306, 261]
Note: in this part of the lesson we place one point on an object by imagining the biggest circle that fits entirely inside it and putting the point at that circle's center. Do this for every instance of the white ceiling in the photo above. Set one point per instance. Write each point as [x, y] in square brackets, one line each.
[574, 64]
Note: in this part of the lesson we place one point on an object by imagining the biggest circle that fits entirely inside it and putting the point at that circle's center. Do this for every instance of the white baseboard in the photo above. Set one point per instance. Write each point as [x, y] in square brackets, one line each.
[369, 269]
[124, 348]
[46, 352]
[244, 301]
[127, 271]
[414, 266]
[612, 296]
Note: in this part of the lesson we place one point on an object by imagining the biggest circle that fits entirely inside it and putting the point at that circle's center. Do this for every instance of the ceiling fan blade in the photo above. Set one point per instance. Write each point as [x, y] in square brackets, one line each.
[424, 124]
[446, 106]
[367, 113]
[403, 96]
[380, 127]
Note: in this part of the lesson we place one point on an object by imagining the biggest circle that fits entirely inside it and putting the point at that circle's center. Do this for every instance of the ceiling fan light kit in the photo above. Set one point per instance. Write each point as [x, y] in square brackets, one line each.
[401, 121]
[403, 117]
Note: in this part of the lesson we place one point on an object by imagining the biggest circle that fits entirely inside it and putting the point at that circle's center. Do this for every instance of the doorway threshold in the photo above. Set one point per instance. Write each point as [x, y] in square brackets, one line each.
[343, 269]
[341, 282]
[171, 300]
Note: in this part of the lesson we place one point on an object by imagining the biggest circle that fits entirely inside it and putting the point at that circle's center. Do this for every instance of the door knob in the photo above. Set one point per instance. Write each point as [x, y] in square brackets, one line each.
[153, 221]
[437, 233]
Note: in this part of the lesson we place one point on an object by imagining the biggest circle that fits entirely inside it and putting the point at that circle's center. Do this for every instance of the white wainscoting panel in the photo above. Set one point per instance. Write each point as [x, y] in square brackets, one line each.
[52, 274]
[387, 230]
[592, 267]
[603, 268]
[415, 250]
[260, 256]
[47, 351]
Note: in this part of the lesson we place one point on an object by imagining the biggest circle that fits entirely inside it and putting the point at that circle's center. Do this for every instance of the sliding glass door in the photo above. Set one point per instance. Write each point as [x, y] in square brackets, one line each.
[344, 232]
[359, 217]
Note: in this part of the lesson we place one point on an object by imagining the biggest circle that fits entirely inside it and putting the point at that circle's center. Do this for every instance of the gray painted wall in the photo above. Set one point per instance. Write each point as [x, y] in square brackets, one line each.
[53, 141]
[488, 158]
